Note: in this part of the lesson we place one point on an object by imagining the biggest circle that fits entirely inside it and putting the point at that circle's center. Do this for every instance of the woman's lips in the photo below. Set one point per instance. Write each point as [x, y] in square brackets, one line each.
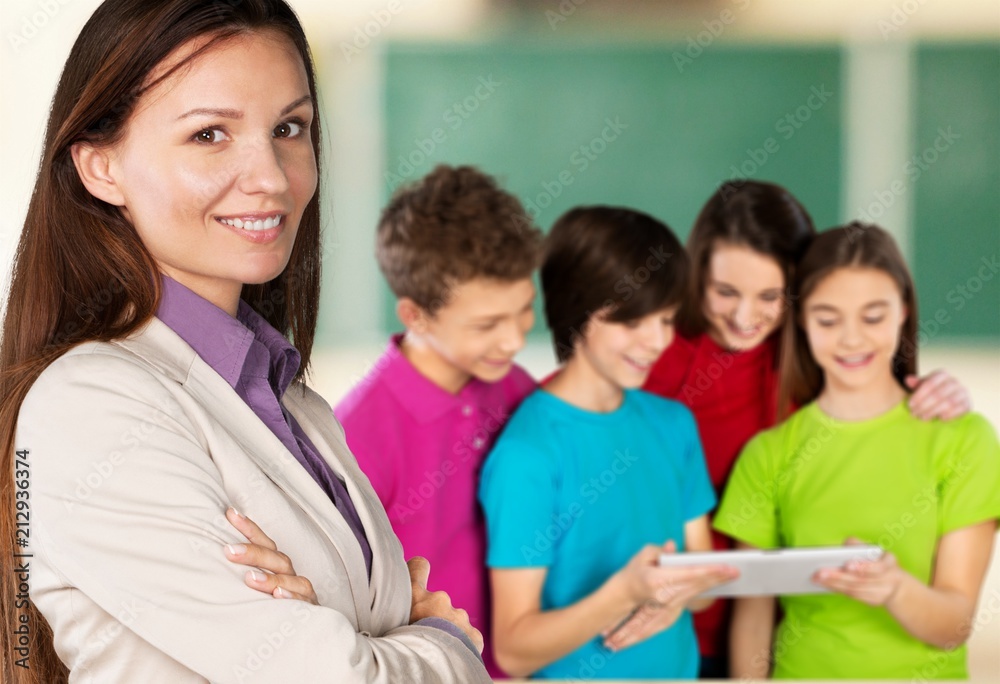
[741, 333]
[257, 236]
[855, 360]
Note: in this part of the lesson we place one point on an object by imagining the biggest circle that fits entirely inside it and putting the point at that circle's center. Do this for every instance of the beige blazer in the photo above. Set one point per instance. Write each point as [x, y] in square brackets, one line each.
[135, 449]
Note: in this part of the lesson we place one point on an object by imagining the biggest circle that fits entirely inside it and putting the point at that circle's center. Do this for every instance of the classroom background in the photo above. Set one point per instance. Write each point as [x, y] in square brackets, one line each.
[885, 111]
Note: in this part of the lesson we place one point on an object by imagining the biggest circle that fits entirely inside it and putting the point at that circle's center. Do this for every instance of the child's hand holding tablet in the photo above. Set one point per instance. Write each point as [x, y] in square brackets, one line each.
[775, 572]
[664, 591]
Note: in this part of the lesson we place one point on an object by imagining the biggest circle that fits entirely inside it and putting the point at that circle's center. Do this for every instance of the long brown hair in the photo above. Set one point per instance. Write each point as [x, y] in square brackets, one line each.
[857, 245]
[80, 270]
[762, 216]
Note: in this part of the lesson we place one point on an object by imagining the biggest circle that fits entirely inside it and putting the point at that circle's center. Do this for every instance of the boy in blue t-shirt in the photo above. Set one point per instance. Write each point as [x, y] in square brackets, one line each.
[593, 479]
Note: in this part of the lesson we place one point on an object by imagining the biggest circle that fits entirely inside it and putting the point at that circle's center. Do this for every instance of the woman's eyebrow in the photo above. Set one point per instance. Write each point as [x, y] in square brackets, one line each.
[301, 100]
[830, 307]
[235, 113]
[209, 111]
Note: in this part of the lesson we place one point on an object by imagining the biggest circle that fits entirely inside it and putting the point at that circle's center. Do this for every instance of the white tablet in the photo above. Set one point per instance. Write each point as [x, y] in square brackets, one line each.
[774, 572]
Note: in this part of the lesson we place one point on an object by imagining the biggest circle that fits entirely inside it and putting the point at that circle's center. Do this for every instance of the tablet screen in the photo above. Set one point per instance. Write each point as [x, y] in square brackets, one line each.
[773, 572]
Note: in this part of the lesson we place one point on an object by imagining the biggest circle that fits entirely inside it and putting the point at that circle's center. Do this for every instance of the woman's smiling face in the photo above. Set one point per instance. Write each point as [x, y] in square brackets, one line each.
[743, 296]
[217, 164]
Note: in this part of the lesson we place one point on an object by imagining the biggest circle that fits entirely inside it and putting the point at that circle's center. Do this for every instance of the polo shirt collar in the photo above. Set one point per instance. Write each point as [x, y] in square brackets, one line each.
[419, 396]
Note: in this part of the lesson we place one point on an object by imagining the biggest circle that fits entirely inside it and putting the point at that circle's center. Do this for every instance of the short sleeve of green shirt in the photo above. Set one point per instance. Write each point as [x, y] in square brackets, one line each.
[749, 511]
[969, 478]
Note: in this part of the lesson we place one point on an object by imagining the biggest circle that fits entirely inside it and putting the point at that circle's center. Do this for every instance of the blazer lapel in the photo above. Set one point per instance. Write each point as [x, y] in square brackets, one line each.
[317, 421]
[162, 347]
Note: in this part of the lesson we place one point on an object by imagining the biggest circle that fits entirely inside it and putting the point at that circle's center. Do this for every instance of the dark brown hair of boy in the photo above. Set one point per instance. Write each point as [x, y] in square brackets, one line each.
[615, 262]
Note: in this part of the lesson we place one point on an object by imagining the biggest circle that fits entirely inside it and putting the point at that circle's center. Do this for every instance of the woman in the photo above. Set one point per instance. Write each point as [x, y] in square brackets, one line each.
[723, 363]
[171, 245]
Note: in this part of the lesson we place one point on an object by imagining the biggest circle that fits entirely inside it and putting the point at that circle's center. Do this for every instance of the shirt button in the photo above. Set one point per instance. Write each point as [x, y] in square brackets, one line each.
[478, 442]
[466, 410]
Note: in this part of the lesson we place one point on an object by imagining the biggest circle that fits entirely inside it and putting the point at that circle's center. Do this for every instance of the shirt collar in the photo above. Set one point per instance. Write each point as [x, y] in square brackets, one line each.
[224, 342]
[420, 397]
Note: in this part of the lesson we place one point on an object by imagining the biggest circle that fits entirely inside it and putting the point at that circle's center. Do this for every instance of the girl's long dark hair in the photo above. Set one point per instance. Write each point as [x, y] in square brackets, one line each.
[80, 271]
[762, 216]
[857, 245]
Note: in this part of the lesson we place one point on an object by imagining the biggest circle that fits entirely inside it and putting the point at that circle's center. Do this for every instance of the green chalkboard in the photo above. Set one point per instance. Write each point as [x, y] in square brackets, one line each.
[654, 127]
[955, 172]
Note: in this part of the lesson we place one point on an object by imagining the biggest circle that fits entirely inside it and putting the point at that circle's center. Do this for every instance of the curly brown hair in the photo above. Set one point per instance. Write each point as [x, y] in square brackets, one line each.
[452, 226]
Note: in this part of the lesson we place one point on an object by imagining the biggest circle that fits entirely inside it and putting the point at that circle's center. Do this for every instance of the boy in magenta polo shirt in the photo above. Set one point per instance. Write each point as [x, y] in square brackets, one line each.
[458, 253]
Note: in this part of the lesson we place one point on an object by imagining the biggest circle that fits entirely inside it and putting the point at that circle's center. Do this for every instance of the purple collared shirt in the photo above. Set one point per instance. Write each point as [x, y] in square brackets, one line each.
[259, 363]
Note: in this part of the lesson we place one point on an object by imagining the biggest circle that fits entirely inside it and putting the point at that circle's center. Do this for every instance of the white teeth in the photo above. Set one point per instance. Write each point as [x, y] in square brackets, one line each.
[265, 224]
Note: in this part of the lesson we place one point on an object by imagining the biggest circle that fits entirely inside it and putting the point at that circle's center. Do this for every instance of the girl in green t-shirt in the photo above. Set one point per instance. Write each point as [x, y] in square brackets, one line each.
[854, 464]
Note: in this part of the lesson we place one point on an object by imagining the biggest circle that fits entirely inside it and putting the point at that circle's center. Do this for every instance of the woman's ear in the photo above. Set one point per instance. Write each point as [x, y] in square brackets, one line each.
[94, 166]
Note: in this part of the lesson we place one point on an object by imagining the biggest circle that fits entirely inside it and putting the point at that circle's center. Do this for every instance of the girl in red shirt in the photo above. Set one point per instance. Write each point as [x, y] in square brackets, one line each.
[723, 361]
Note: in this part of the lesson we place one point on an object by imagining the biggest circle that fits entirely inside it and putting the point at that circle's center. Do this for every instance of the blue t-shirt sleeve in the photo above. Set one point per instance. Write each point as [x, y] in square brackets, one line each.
[699, 495]
[518, 491]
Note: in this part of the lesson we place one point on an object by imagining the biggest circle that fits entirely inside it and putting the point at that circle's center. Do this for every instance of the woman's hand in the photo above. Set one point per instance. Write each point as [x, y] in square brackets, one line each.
[662, 593]
[436, 603]
[280, 580]
[938, 395]
[871, 582]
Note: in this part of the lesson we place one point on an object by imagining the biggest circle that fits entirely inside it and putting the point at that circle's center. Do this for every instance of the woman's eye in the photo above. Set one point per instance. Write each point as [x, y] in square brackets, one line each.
[288, 129]
[825, 324]
[726, 293]
[874, 321]
[770, 297]
[209, 136]
[666, 320]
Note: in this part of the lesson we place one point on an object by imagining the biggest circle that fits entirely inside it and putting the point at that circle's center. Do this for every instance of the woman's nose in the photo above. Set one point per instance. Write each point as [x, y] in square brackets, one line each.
[262, 169]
